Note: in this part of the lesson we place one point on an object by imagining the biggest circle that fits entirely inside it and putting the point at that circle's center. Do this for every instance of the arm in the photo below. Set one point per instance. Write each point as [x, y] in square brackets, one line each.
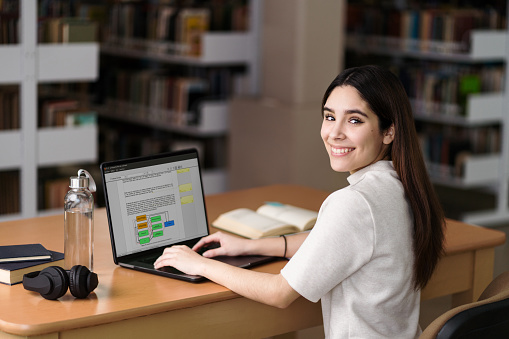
[270, 289]
[232, 245]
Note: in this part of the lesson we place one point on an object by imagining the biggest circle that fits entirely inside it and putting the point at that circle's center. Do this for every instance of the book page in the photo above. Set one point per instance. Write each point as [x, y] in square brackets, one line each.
[303, 218]
[248, 223]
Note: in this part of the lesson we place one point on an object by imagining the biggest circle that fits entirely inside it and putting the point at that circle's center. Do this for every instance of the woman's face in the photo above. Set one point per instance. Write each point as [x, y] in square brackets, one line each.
[351, 133]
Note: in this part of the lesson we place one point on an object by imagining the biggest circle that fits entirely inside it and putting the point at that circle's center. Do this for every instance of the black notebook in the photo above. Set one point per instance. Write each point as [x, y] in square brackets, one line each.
[12, 272]
[24, 252]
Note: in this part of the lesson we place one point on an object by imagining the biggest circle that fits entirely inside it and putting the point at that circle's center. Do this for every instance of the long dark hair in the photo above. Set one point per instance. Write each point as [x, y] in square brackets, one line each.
[384, 93]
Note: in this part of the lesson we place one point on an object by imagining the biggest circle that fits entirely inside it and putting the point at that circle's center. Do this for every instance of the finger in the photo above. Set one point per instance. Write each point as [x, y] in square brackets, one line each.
[162, 263]
[213, 253]
[158, 261]
[205, 240]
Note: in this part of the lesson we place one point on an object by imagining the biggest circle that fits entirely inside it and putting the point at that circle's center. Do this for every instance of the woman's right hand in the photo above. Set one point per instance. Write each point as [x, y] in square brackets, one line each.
[228, 245]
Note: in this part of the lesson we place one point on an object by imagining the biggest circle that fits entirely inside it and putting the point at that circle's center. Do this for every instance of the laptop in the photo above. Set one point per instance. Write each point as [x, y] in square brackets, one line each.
[154, 202]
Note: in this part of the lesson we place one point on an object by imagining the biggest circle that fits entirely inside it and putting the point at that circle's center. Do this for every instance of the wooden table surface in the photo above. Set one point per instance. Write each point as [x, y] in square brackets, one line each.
[126, 294]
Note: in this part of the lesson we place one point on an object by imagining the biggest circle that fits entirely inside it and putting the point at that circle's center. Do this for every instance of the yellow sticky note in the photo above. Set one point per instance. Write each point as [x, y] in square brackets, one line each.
[186, 200]
[186, 187]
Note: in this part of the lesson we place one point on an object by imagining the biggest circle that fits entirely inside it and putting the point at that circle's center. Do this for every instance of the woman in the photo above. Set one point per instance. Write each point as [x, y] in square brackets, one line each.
[376, 242]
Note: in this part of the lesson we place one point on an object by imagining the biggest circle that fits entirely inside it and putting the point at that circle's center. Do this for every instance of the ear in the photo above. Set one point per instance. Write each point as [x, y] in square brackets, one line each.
[389, 135]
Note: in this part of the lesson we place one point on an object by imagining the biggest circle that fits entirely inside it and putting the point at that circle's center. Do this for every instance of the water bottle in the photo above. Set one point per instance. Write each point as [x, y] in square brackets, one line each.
[79, 221]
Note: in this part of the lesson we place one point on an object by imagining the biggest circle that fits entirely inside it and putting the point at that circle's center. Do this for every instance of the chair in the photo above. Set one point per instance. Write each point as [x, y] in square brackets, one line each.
[487, 318]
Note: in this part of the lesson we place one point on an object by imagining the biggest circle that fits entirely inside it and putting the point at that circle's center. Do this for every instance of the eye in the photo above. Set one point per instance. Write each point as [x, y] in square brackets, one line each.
[355, 121]
[329, 117]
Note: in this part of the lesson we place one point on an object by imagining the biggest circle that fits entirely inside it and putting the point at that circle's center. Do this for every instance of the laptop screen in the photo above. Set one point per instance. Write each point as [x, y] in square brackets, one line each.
[154, 201]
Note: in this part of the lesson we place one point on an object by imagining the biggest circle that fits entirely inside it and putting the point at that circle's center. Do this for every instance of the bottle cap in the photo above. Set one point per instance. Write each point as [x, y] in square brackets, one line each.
[82, 181]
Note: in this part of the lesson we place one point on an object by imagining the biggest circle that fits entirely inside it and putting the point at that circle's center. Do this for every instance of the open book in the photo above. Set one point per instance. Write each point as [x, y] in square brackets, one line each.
[270, 219]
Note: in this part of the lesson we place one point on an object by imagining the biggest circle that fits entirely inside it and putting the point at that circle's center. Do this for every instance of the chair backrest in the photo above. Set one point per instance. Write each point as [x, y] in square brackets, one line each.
[490, 321]
[486, 318]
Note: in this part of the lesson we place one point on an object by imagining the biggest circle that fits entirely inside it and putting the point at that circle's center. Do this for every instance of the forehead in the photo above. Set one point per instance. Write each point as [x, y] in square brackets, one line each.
[346, 97]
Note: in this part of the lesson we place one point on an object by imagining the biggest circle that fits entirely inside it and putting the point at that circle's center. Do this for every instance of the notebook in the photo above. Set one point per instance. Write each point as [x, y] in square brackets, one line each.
[154, 202]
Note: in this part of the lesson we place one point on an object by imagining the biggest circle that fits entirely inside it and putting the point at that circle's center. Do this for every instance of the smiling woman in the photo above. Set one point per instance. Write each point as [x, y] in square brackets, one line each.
[377, 91]
[375, 243]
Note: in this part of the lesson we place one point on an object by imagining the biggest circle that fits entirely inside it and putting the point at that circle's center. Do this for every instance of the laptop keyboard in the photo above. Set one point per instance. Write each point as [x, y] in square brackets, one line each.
[149, 260]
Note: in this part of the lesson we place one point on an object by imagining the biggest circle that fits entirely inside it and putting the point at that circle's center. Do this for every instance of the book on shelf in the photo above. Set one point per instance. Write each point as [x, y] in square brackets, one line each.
[434, 29]
[9, 107]
[9, 192]
[270, 219]
[450, 146]
[78, 30]
[159, 96]
[168, 27]
[64, 112]
[55, 191]
[191, 24]
[12, 273]
[24, 252]
[9, 22]
[53, 112]
[66, 30]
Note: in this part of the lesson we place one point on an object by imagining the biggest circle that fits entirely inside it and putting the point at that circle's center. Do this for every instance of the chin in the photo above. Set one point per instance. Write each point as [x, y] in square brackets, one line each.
[338, 168]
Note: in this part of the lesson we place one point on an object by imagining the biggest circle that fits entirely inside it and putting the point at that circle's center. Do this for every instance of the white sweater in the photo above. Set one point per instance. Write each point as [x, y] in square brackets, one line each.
[358, 259]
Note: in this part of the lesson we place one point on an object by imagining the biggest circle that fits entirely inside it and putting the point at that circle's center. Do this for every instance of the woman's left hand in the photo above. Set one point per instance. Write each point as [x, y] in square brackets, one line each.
[183, 259]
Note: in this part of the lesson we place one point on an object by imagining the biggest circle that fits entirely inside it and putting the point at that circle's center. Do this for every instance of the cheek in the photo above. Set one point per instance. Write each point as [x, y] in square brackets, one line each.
[324, 132]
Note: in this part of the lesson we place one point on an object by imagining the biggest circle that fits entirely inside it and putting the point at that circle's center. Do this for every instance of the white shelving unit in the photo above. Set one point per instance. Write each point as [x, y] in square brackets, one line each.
[486, 171]
[217, 49]
[29, 64]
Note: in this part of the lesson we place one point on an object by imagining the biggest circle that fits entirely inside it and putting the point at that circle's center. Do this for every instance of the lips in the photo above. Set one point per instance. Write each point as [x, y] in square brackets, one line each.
[341, 151]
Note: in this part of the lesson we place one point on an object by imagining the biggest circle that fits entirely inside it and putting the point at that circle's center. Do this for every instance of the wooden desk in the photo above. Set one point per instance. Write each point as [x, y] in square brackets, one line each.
[134, 304]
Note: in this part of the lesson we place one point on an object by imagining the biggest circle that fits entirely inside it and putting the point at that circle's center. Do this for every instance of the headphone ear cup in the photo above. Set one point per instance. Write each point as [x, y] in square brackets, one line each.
[58, 280]
[82, 281]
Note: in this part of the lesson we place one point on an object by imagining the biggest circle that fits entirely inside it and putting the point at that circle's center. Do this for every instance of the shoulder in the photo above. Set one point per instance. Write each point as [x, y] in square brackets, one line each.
[345, 197]
[346, 207]
[377, 180]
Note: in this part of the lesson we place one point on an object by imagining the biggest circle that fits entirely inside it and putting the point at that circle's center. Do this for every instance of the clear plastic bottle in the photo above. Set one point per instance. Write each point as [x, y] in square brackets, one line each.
[79, 221]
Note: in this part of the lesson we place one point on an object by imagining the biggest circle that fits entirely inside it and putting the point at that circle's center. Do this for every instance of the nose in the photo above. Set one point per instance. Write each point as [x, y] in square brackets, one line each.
[337, 131]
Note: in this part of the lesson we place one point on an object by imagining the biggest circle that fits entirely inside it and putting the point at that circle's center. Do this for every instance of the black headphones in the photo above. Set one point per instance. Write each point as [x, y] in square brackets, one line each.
[52, 282]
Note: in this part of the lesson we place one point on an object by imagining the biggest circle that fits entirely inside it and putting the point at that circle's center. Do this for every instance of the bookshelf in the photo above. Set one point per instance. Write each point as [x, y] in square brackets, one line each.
[27, 64]
[161, 70]
[472, 43]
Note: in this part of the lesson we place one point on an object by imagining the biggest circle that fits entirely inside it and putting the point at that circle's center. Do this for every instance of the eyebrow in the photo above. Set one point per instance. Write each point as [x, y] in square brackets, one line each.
[348, 111]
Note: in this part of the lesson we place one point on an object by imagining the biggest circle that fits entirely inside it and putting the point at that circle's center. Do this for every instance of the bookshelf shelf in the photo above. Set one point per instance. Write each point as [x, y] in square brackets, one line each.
[189, 73]
[53, 62]
[55, 146]
[27, 149]
[10, 64]
[58, 62]
[213, 117]
[481, 109]
[67, 145]
[10, 143]
[478, 170]
[218, 48]
[485, 46]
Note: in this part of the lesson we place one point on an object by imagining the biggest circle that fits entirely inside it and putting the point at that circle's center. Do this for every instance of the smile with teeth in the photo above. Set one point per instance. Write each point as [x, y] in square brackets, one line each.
[341, 151]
